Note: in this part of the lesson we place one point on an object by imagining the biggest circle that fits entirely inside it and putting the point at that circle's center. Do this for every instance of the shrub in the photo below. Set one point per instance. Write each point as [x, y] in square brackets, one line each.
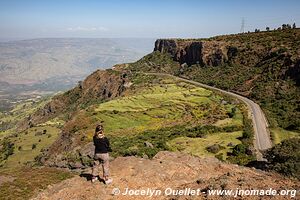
[6, 150]
[239, 149]
[33, 146]
[215, 148]
[232, 112]
[285, 157]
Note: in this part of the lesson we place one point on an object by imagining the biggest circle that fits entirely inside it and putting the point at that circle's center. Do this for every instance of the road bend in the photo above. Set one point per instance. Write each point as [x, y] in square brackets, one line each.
[262, 139]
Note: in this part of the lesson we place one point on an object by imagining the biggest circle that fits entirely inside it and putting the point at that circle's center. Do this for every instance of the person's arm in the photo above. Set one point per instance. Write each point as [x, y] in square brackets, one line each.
[94, 140]
[108, 145]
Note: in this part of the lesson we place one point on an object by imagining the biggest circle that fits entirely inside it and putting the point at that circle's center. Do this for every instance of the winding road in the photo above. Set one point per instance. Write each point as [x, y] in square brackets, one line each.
[259, 121]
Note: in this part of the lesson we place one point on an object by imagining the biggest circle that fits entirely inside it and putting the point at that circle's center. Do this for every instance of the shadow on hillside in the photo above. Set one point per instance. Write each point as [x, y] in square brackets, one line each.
[258, 165]
[88, 177]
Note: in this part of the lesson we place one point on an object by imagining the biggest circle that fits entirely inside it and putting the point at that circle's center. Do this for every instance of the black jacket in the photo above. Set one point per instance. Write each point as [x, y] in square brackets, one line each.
[101, 145]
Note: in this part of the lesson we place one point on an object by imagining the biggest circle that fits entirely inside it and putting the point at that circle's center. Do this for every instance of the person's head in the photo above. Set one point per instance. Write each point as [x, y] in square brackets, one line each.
[99, 130]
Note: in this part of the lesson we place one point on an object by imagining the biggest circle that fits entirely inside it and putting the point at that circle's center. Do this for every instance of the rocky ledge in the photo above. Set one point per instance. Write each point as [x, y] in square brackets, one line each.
[203, 52]
[177, 171]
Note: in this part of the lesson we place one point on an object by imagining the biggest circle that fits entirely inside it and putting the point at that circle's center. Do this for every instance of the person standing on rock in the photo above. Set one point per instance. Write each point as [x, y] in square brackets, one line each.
[101, 156]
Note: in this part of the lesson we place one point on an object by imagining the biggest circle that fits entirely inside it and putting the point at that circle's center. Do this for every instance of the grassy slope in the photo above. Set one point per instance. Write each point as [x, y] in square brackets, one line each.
[24, 142]
[20, 111]
[197, 146]
[25, 179]
[279, 134]
[152, 105]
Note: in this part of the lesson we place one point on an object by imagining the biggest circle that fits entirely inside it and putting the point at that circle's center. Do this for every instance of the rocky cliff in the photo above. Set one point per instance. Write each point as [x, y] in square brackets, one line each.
[204, 52]
[100, 86]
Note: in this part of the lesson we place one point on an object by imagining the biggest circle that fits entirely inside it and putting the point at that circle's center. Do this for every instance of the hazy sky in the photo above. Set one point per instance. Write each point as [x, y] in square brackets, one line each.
[140, 18]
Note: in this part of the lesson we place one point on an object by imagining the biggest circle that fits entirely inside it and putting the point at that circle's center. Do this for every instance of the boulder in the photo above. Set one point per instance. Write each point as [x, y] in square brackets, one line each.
[148, 144]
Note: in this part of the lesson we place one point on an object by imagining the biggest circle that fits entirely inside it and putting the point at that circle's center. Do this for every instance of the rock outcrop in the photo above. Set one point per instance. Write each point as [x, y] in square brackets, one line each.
[208, 53]
[99, 86]
[170, 170]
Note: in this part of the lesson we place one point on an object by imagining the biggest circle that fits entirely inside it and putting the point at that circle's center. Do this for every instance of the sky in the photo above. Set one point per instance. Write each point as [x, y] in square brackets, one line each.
[141, 18]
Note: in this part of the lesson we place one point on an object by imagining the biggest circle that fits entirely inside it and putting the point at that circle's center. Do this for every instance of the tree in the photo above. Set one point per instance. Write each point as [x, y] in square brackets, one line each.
[267, 28]
[7, 149]
[294, 25]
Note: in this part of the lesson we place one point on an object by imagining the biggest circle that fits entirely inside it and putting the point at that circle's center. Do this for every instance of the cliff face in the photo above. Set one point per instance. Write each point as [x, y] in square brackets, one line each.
[209, 53]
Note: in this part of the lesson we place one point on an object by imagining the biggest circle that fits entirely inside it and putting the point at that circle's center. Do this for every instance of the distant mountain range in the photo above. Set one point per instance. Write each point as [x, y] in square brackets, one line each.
[50, 60]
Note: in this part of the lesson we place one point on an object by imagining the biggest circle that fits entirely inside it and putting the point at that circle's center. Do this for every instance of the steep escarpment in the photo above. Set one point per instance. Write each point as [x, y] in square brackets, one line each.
[208, 53]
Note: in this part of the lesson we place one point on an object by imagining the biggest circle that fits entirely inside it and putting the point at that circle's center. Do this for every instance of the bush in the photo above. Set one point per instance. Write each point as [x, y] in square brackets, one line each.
[6, 150]
[219, 156]
[241, 159]
[33, 146]
[215, 148]
[239, 149]
[248, 128]
[232, 113]
[285, 157]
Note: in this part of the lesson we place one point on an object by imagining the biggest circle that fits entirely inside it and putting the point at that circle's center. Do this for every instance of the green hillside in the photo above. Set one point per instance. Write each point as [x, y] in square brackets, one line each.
[263, 66]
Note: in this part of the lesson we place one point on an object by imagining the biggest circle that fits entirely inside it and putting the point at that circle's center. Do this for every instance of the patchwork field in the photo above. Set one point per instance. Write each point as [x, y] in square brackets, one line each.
[162, 106]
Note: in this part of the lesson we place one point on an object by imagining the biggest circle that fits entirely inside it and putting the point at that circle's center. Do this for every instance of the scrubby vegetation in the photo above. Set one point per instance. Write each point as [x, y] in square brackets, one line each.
[24, 182]
[19, 149]
[6, 149]
[279, 134]
[173, 138]
[285, 157]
